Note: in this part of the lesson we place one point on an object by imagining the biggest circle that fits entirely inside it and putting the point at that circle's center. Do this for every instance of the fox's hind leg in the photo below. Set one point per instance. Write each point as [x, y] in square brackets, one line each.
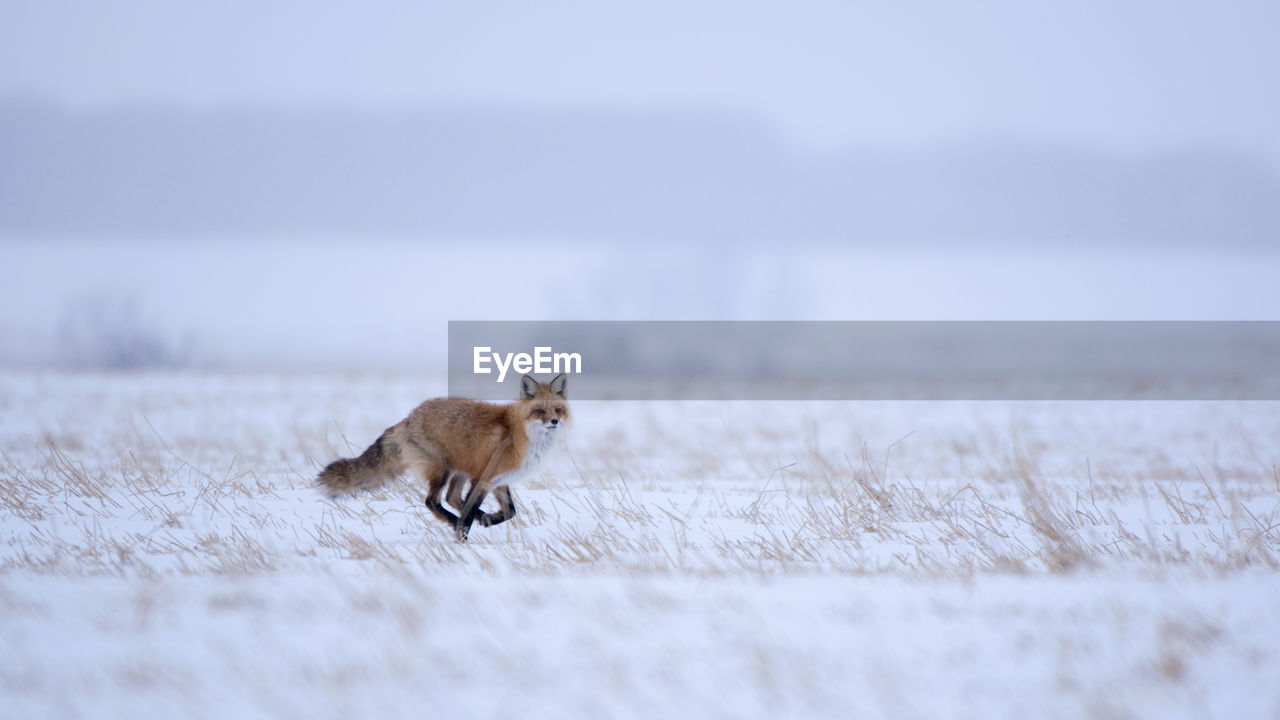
[507, 508]
[428, 463]
[433, 499]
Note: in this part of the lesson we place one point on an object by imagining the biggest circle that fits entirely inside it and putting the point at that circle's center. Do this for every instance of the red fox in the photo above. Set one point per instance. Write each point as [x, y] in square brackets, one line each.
[453, 440]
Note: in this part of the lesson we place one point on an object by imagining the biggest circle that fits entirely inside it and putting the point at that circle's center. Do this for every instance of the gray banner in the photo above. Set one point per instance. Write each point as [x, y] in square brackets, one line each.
[945, 360]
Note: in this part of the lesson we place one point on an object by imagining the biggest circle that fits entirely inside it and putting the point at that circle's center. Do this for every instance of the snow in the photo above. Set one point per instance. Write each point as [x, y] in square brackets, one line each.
[163, 552]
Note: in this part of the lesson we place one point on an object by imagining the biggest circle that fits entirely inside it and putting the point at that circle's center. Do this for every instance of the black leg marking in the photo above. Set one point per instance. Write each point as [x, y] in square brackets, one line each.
[441, 511]
[507, 502]
[470, 511]
[433, 501]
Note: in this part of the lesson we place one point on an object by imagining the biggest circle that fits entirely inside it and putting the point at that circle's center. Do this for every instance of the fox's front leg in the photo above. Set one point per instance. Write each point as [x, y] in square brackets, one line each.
[470, 510]
[457, 483]
[506, 507]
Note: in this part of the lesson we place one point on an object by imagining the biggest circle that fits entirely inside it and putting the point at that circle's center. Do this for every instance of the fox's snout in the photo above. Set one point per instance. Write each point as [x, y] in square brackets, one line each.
[551, 424]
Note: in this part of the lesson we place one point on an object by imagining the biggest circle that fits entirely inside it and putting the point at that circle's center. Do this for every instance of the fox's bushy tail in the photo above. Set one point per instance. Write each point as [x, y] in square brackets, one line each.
[376, 466]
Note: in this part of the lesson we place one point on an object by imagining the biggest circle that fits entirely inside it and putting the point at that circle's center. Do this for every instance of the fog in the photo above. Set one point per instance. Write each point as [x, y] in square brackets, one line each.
[230, 185]
[1137, 75]
[574, 175]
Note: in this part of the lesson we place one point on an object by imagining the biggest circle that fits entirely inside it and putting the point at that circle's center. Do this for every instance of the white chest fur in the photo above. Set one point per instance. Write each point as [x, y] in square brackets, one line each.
[542, 438]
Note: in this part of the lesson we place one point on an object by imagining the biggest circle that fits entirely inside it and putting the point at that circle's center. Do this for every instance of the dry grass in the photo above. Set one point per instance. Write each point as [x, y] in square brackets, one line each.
[815, 559]
[150, 511]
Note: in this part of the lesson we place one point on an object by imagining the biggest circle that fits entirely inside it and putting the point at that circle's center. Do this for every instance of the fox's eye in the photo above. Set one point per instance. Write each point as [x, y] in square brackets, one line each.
[540, 411]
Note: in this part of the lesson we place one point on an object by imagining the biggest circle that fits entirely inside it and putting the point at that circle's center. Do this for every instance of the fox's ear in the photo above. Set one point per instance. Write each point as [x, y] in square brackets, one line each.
[557, 385]
[528, 387]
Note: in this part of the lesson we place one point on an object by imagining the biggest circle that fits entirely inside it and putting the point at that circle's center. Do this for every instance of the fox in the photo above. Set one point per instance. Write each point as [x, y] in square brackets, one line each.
[452, 441]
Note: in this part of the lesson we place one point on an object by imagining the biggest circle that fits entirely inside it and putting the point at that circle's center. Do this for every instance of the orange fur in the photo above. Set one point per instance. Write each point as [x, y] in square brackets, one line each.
[453, 440]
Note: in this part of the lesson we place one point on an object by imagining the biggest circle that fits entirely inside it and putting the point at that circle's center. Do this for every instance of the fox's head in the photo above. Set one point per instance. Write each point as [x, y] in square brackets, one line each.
[544, 404]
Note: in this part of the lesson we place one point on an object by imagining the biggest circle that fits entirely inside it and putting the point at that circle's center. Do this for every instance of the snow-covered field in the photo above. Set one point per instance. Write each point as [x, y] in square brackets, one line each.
[163, 553]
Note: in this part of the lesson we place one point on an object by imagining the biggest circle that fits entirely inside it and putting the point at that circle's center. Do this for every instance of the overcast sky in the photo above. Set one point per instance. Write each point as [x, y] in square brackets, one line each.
[1117, 76]
[1142, 127]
